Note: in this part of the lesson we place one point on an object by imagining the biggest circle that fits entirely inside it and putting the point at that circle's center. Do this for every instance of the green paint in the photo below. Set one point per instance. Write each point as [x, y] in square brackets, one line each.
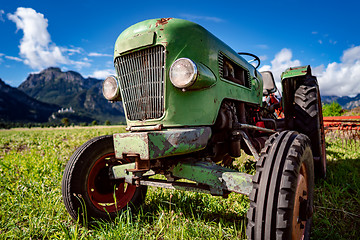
[206, 78]
[120, 171]
[160, 144]
[134, 42]
[296, 72]
[201, 172]
[198, 105]
[135, 140]
[215, 176]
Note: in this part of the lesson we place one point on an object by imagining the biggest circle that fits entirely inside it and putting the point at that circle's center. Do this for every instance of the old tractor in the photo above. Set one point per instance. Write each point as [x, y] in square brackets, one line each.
[192, 105]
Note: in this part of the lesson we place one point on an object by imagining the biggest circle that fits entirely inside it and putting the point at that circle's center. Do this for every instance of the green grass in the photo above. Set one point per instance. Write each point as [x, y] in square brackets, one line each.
[31, 167]
[337, 199]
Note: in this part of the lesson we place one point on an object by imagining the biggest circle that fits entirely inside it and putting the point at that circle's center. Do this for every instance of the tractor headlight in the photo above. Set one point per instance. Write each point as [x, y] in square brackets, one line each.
[183, 73]
[111, 89]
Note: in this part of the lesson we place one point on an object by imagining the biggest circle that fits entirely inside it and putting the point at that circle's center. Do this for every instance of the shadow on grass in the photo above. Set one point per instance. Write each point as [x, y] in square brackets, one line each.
[197, 206]
[337, 199]
[336, 216]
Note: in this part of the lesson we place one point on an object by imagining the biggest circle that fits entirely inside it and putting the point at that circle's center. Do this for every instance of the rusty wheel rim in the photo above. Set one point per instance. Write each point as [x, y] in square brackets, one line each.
[107, 195]
[300, 213]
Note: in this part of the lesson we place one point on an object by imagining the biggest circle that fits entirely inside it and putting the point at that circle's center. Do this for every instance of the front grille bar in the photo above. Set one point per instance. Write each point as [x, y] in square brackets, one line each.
[141, 77]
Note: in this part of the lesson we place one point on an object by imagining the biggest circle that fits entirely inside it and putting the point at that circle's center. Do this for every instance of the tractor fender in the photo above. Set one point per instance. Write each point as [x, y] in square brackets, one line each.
[291, 79]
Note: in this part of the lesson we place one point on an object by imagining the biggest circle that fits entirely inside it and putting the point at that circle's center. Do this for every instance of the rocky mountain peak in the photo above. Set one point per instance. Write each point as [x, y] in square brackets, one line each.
[53, 79]
[71, 89]
[51, 69]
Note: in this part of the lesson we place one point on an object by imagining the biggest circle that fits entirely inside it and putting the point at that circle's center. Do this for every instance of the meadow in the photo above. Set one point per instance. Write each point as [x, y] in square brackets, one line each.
[32, 162]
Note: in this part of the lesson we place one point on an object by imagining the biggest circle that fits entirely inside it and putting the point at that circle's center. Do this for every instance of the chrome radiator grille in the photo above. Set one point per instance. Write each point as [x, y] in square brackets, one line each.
[141, 77]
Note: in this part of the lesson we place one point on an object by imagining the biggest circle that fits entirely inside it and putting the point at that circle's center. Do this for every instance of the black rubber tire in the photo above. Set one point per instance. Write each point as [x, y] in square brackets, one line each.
[79, 171]
[272, 199]
[308, 120]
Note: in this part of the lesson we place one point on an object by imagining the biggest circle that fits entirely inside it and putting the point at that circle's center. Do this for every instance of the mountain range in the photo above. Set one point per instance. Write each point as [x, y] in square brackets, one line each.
[68, 93]
[16, 106]
[51, 95]
[345, 102]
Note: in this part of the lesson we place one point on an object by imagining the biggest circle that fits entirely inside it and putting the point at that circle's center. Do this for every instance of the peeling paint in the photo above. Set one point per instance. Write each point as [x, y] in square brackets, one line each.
[216, 177]
[162, 21]
[160, 144]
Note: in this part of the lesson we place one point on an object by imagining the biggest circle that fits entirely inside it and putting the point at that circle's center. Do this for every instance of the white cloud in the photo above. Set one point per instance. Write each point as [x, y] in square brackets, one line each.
[1, 13]
[102, 74]
[337, 78]
[36, 46]
[94, 54]
[262, 46]
[14, 58]
[280, 63]
[80, 64]
[341, 78]
[71, 51]
[206, 18]
[263, 57]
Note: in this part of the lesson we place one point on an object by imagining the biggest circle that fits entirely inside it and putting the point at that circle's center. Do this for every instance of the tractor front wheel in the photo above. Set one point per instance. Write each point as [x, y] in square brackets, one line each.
[88, 191]
[281, 202]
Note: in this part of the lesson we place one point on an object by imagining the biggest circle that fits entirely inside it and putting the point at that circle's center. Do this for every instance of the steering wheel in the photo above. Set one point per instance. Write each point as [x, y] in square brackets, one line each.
[255, 58]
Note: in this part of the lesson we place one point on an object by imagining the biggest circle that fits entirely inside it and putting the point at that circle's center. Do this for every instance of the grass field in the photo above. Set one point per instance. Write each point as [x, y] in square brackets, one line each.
[32, 162]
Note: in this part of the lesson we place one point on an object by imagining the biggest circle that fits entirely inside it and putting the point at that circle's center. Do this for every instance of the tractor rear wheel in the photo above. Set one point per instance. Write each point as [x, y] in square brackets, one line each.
[309, 120]
[87, 189]
[281, 202]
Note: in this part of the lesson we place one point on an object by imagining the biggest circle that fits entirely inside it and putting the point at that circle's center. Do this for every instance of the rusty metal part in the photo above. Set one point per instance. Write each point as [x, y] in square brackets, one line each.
[142, 88]
[160, 144]
[337, 118]
[140, 165]
[252, 127]
[301, 211]
[125, 171]
[219, 179]
[209, 177]
[183, 186]
[342, 123]
[248, 143]
[157, 127]
[162, 21]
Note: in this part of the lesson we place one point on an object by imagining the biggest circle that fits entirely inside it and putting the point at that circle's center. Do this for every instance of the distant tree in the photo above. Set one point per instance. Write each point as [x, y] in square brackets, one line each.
[65, 121]
[107, 123]
[5, 125]
[94, 123]
[333, 109]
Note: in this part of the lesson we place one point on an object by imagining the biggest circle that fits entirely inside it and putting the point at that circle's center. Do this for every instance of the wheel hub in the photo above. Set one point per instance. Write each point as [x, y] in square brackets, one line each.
[106, 194]
[302, 209]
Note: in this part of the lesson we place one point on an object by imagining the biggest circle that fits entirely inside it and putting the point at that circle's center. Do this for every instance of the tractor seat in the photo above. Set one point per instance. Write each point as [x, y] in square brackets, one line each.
[269, 83]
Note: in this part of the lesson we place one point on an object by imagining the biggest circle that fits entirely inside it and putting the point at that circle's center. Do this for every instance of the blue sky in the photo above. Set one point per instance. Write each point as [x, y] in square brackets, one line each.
[80, 35]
